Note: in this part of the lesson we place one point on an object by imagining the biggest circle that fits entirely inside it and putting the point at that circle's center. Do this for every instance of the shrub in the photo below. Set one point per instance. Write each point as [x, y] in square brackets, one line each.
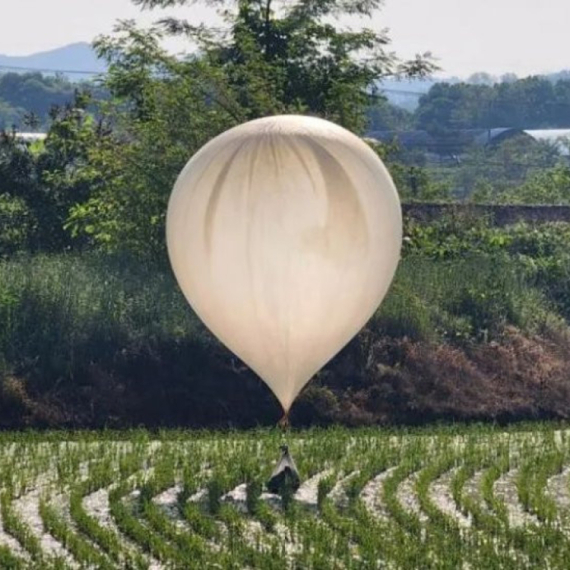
[103, 341]
[17, 226]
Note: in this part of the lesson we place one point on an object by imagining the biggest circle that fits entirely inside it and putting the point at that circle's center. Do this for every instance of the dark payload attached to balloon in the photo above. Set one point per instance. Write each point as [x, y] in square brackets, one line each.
[285, 475]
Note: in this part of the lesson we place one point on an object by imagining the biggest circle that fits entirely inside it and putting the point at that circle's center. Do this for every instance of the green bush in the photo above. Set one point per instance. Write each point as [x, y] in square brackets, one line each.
[539, 253]
[458, 299]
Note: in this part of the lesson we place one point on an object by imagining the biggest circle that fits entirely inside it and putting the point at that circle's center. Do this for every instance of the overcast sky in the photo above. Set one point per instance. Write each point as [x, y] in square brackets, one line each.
[498, 36]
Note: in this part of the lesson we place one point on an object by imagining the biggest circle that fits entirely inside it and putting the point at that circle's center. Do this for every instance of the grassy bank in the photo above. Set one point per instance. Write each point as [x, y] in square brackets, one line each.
[91, 340]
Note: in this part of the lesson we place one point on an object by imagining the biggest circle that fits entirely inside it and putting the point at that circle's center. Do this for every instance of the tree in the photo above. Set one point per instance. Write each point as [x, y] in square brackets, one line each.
[272, 57]
[384, 116]
[496, 172]
[10, 116]
[482, 78]
[287, 56]
[526, 104]
[42, 182]
[509, 78]
[17, 225]
[551, 186]
[530, 103]
[448, 108]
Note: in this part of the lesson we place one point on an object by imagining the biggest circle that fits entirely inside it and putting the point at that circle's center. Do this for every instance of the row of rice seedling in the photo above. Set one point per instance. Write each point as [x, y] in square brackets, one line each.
[439, 498]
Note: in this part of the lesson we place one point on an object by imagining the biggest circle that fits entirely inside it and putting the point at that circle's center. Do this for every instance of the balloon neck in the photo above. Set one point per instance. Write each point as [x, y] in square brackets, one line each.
[284, 421]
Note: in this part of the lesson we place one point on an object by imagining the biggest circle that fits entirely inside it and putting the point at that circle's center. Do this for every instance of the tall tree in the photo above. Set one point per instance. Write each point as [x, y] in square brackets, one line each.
[272, 56]
[292, 56]
[43, 181]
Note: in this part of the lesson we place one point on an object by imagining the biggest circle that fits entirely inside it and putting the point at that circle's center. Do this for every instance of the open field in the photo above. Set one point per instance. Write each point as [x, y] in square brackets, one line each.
[442, 498]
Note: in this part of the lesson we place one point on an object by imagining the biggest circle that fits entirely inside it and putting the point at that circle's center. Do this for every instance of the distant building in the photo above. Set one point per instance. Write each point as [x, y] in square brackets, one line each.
[451, 143]
[491, 137]
[30, 137]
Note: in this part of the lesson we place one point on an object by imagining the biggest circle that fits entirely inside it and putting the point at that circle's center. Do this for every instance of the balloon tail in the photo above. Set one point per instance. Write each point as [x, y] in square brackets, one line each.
[284, 421]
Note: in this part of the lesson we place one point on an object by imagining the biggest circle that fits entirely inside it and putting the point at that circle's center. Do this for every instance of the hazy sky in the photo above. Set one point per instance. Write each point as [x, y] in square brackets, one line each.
[498, 36]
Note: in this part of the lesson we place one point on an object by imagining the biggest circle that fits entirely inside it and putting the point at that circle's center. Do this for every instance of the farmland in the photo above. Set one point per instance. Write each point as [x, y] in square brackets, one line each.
[476, 497]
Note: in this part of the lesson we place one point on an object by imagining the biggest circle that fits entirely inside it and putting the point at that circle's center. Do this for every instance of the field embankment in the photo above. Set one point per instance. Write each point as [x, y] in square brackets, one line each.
[92, 341]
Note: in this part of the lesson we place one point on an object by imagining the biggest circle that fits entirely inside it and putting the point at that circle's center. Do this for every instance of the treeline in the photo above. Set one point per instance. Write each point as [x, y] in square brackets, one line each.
[530, 103]
[27, 99]
[30, 95]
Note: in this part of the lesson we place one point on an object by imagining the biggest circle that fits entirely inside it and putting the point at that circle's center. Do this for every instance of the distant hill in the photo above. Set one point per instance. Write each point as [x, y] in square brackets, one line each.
[70, 58]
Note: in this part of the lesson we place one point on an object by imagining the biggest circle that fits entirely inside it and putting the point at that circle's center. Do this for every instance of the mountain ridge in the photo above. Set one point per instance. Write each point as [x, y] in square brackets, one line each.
[74, 60]
[79, 61]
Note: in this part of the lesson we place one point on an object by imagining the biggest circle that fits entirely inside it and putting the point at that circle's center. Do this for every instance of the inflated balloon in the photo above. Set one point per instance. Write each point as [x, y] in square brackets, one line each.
[284, 234]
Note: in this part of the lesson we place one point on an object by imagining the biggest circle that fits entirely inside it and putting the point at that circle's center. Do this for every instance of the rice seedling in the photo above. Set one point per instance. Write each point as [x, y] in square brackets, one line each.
[430, 498]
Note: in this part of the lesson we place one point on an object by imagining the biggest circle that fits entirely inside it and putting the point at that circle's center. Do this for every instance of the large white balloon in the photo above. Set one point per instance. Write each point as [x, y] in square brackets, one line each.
[284, 234]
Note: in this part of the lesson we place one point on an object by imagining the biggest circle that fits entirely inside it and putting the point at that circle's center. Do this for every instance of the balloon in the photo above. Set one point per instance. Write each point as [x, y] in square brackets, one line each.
[284, 234]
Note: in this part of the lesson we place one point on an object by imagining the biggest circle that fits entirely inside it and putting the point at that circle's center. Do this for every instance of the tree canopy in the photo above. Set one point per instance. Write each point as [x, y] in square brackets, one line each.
[271, 57]
[28, 98]
[530, 103]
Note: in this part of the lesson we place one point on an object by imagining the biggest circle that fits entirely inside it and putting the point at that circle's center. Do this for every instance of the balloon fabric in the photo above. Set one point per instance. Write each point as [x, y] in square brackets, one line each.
[284, 234]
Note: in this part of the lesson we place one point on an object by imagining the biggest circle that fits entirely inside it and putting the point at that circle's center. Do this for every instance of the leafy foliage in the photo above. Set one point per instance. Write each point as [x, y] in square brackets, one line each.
[272, 57]
[17, 226]
[549, 186]
[49, 177]
[540, 252]
[26, 99]
[530, 103]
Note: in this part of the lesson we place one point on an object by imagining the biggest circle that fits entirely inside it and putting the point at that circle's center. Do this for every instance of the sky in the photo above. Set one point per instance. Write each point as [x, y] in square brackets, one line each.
[466, 36]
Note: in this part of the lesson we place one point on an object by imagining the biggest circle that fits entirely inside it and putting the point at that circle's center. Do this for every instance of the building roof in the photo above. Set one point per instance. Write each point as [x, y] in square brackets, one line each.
[479, 137]
[30, 137]
[408, 139]
[484, 137]
[461, 137]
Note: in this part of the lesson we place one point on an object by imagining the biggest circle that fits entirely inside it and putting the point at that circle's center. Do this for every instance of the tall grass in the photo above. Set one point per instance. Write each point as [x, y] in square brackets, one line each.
[60, 313]
[462, 299]
[64, 311]
[99, 341]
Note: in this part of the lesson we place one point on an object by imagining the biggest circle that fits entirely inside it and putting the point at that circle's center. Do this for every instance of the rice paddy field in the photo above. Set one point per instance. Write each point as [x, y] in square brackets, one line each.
[471, 497]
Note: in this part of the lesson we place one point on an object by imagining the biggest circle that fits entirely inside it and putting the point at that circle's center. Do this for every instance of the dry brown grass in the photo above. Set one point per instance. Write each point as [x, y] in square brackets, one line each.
[511, 379]
[375, 380]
